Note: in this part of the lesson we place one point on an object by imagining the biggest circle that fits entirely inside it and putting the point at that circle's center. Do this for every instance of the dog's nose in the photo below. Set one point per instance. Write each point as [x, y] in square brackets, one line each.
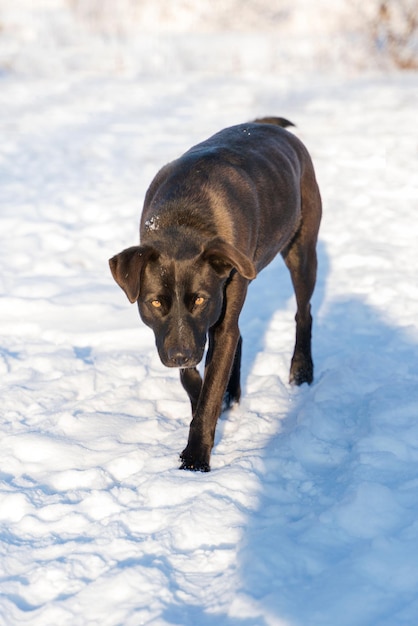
[179, 357]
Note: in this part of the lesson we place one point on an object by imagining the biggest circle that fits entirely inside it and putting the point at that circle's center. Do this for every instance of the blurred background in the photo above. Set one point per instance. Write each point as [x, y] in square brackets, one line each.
[137, 37]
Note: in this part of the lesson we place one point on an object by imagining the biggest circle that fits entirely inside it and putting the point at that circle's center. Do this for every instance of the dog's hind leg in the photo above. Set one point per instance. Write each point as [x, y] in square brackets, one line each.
[300, 257]
[302, 267]
[192, 383]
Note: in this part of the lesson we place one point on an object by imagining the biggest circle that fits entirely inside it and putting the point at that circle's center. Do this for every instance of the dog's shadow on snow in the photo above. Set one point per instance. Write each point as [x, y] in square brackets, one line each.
[298, 554]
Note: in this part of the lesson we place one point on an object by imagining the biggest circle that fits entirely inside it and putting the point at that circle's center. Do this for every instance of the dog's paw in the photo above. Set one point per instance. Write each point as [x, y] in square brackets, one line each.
[301, 372]
[194, 462]
[229, 401]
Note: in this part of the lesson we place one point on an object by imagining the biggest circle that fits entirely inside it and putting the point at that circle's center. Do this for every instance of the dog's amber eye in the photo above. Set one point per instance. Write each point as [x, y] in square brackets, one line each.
[199, 301]
[156, 304]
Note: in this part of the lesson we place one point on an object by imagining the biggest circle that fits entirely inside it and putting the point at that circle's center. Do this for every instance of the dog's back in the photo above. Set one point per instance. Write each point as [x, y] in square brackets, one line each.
[243, 184]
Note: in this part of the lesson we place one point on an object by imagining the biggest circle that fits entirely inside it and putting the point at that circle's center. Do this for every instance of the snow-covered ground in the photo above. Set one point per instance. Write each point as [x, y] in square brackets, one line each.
[309, 516]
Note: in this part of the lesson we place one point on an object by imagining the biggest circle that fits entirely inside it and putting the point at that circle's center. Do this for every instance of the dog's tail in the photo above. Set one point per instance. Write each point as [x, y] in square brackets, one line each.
[277, 121]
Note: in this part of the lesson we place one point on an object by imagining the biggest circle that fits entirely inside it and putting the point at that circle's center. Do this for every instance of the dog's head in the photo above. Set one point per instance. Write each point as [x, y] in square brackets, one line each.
[179, 297]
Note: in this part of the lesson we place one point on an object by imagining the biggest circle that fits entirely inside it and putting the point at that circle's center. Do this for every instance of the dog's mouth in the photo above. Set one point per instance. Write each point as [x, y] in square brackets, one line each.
[182, 358]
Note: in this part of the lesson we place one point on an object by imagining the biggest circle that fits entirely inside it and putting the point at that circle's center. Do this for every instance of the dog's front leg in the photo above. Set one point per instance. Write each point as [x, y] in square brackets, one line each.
[196, 455]
[192, 383]
[223, 342]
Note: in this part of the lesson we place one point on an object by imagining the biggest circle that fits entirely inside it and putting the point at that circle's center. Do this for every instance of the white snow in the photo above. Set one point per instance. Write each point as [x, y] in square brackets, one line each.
[152, 223]
[309, 516]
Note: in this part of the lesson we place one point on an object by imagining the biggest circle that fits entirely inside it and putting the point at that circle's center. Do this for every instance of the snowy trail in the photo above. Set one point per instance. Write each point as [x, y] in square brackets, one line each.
[309, 515]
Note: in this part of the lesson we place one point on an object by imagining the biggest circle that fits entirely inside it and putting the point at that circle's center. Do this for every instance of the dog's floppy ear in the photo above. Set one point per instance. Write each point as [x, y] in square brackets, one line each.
[127, 266]
[223, 257]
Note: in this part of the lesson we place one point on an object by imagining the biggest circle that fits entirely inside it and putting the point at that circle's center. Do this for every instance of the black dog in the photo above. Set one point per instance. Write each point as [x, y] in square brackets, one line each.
[212, 220]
